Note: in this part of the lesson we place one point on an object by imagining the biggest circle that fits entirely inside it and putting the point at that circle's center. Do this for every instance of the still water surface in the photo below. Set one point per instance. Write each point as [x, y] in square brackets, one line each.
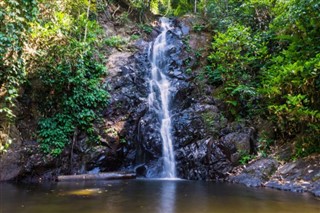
[150, 196]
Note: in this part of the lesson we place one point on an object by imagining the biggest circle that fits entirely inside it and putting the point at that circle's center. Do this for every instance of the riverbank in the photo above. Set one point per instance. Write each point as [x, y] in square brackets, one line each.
[302, 175]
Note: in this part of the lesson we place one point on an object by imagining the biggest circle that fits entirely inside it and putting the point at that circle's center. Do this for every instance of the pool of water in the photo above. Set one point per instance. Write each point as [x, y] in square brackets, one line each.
[150, 196]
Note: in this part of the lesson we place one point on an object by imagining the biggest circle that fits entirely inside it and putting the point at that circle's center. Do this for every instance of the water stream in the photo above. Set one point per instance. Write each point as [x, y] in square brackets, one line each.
[160, 86]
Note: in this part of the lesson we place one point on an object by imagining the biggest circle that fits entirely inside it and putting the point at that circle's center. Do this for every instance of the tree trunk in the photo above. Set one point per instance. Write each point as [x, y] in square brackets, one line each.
[100, 176]
[86, 27]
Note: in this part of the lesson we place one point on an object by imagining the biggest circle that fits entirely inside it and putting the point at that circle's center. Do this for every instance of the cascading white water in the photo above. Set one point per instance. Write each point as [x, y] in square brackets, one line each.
[159, 82]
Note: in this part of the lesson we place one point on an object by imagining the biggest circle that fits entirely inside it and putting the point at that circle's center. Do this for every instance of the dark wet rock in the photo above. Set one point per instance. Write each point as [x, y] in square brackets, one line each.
[256, 173]
[187, 128]
[129, 91]
[150, 137]
[233, 144]
[202, 160]
[141, 170]
[105, 158]
[37, 166]
[141, 44]
[236, 144]
[181, 96]
[150, 142]
[185, 29]
[155, 32]
[288, 186]
[315, 189]
[286, 153]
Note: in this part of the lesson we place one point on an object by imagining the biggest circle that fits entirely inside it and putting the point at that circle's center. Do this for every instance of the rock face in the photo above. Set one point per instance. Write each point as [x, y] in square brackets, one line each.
[300, 176]
[203, 160]
[210, 159]
[256, 173]
[206, 146]
[171, 64]
[10, 161]
[10, 165]
[198, 154]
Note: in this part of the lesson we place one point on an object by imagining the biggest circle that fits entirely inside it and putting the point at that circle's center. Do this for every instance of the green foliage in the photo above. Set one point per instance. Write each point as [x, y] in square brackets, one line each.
[222, 14]
[123, 19]
[66, 63]
[134, 37]
[290, 83]
[160, 6]
[213, 122]
[250, 13]
[15, 16]
[198, 27]
[71, 103]
[245, 157]
[264, 144]
[236, 57]
[307, 145]
[114, 41]
[167, 7]
[154, 6]
[265, 60]
[146, 28]
[54, 133]
[182, 7]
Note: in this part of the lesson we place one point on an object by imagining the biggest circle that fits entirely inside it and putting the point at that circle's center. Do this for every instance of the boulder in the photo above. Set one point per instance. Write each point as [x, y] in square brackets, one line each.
[236, 144]
[302, 175]
[202, 160]
[256, 173]
[10, 164]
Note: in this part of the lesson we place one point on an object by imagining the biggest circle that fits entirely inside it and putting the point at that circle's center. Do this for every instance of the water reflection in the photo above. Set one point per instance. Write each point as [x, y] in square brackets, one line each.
[168, 197]
[147, 196]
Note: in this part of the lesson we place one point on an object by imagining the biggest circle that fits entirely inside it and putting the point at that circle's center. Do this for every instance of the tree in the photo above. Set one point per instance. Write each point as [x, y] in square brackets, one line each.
[69, 69]
[15, 16]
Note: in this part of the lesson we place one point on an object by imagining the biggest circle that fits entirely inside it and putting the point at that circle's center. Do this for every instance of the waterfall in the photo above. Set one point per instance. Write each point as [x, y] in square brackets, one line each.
[160, 86]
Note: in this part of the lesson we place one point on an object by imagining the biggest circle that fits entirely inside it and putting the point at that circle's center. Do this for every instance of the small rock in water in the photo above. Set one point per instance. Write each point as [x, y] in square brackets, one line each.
[83, 192]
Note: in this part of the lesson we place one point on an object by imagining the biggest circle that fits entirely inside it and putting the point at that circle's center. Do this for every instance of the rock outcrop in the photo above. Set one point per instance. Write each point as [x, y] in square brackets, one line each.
[300, 176]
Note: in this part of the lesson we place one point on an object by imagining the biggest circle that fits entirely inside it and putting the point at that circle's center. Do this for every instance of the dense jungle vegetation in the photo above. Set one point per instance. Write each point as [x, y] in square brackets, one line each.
[264, 62]
[53, 47]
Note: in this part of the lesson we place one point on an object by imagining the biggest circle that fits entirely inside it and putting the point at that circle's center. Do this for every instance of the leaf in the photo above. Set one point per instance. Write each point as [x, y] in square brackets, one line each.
[233, 103]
